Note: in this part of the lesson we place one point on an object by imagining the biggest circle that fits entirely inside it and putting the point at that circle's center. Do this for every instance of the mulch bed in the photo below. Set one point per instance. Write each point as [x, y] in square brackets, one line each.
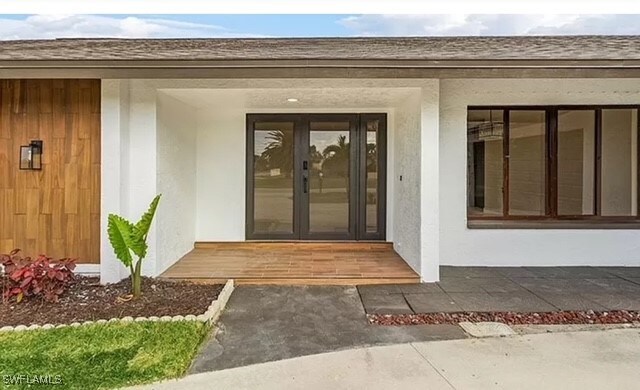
[87, 300]
[510, 318]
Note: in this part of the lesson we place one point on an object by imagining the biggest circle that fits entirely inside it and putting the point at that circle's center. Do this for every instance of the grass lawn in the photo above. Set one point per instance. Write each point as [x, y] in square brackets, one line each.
[102, 356]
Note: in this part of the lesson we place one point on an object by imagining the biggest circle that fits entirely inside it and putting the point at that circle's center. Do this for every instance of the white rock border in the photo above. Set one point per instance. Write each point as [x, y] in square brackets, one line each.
[210, 316]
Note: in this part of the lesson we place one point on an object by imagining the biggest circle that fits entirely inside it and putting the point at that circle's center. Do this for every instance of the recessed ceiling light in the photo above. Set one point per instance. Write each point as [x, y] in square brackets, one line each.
[292, 100]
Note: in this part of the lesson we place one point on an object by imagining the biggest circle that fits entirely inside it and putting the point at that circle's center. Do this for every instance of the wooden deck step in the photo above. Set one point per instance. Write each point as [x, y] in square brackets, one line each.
[301, 282]
[291, 263]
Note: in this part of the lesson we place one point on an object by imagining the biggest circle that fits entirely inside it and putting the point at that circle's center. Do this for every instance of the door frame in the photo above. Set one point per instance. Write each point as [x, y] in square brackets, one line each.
[249, 177]
[305, 204]
[381, 142]
[358, 193]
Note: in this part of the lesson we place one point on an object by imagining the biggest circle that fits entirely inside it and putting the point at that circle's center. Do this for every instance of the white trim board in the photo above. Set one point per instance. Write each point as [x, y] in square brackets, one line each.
[87, 269]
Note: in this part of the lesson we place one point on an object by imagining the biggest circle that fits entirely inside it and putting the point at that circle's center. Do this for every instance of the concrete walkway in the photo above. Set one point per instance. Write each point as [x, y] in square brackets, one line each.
[267, 323]
[580, 360]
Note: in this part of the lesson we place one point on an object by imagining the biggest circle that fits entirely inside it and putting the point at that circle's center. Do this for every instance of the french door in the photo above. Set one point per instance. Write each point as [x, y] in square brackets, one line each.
[316, 176]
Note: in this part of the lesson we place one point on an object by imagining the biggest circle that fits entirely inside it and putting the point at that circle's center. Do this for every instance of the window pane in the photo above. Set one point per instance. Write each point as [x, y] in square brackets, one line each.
[527, 162]
[273, 177]
[485, 129]
[371, 214]
[576, 162]
[619, 162]
[329, 179]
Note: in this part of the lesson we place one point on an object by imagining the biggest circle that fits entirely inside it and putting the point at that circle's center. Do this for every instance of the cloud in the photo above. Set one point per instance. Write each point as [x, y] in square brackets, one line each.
[443, 25]
[77, 26]
[86, 26]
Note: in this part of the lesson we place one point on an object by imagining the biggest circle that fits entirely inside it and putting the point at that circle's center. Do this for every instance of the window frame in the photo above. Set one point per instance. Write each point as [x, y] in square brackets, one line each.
[551, 216]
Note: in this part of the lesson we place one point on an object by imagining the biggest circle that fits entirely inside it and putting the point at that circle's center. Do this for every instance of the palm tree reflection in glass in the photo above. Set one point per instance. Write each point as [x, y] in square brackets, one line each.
[335, 161]
[273, 179]
[278, 153]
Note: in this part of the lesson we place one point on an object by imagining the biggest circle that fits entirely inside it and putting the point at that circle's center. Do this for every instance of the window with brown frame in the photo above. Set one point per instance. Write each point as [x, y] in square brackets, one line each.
[553, 163]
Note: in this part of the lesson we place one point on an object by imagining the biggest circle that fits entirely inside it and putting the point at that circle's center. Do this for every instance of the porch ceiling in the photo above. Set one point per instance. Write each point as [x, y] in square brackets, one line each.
[307, 98]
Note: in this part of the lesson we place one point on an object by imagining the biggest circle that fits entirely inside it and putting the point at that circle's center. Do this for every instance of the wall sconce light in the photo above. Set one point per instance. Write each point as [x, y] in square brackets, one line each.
[31, 156]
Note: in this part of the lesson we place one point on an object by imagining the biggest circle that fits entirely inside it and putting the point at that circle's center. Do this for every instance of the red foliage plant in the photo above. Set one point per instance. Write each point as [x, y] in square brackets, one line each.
[42, 277]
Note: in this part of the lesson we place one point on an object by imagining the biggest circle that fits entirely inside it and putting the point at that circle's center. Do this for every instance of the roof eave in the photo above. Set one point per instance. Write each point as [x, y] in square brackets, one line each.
[311, 63]
[294, 68]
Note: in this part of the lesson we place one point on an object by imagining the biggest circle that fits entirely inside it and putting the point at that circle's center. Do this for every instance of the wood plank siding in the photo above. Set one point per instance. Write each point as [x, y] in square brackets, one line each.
[55, 211]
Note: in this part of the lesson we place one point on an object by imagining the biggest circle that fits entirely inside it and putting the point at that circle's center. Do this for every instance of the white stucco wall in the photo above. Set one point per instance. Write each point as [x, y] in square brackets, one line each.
[128, 165]
[430, 196]
[143, 162]
[176, 179]
[406, 178]
[221, 175]
[460, 245]
[114, 176]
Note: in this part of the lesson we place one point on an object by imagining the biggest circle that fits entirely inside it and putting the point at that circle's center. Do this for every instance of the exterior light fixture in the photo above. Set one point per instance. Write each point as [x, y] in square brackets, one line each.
[488, 130]
[292, 100]
[31, 156]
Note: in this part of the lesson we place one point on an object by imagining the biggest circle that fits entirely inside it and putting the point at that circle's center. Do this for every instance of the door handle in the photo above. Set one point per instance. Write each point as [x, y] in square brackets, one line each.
[305, 184]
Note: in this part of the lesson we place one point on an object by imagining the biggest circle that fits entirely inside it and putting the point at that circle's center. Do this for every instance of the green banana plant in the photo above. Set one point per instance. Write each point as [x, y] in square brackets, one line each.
[129, 240]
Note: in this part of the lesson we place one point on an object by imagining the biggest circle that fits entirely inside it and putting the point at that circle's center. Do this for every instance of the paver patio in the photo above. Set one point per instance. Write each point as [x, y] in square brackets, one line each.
[519, 289]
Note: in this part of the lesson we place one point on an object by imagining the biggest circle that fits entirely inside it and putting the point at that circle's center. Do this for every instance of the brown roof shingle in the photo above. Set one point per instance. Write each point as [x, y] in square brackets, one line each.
[420, 48]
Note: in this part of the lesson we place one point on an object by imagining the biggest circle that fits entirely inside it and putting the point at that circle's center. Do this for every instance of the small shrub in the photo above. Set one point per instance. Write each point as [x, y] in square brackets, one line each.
[42, 277]
[128, 239]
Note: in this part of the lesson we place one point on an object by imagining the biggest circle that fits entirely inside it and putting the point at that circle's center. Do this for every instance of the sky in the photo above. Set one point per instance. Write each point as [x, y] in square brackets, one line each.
[208, 26]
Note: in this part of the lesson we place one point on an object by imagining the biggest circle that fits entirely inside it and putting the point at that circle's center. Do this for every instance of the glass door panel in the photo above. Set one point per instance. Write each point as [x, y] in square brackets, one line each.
[371, 177]
[273, 178]
[329, 177]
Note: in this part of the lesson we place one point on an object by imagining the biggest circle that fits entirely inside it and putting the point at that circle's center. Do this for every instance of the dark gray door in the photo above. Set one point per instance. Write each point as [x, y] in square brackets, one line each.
[316, 176]
[329, 194]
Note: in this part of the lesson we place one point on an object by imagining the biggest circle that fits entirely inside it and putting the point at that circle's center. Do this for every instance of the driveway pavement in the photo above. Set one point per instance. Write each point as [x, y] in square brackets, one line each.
[520, 289]
[267, 323]
[580, 360]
